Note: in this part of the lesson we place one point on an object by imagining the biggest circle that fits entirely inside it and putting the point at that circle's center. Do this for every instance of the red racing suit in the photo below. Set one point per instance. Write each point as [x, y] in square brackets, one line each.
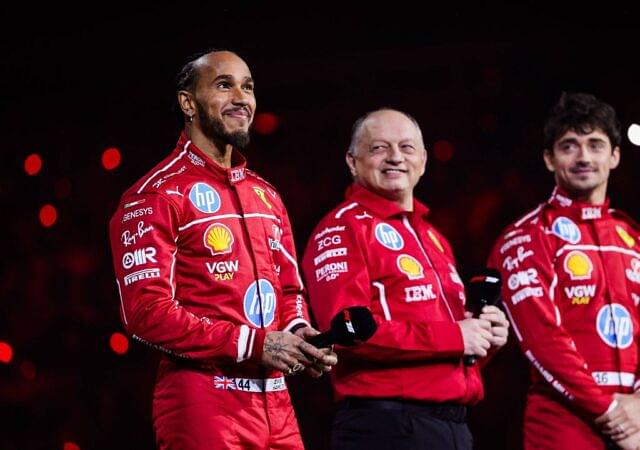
[369, 252]
[571, 287]
[205, 265]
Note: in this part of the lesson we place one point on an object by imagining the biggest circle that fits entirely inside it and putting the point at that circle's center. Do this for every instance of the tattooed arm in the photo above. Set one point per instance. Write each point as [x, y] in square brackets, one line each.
[283, 350]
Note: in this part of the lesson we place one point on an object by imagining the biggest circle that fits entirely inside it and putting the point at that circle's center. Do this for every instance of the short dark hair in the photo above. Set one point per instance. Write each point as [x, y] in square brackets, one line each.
[581, 113]
[187, 79]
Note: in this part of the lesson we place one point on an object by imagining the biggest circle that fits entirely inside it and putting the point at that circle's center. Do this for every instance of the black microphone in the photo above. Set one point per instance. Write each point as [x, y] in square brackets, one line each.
[482, 289]
[349, 327]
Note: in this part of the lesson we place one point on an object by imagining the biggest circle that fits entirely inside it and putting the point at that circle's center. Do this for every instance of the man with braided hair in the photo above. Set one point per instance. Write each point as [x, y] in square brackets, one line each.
[206, 269]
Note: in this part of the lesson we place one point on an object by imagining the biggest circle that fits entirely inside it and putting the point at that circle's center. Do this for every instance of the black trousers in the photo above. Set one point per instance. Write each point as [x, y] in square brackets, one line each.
[388, 424]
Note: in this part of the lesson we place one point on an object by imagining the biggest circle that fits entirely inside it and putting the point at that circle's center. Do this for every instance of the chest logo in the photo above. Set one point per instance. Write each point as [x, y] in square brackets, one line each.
[626, 237]
[389, 236]
[566, 229]
[261, 195]
[578, 265]
[633, 274]
[435, 240]
[614, 326]
[218, 239]
[410, 267]
[260, 303]
[204, 198]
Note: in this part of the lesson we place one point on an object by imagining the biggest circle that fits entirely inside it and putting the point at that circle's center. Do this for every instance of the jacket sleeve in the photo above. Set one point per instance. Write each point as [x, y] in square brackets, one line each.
[337, 276]
[144, 256]
[294, 310]
[525, 263]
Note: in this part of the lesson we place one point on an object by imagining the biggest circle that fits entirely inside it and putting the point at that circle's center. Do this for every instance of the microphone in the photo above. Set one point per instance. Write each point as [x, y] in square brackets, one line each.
[349, 327]
[482, 289]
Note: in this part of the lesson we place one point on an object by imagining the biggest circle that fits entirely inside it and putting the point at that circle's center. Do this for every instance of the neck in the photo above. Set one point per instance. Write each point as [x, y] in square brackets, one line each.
[406, 203]
[596, 196]
[217, 150]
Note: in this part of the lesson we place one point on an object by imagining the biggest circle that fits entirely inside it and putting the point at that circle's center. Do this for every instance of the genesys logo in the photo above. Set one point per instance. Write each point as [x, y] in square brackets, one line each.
[140, 212]
[139, 257]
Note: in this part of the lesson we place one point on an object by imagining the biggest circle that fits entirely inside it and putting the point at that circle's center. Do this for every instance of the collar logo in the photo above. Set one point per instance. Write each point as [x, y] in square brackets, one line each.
[435, 240]
[566, 229]
[389, 236]
[591, 212]
[626, 237]
[218, 239]
[410, 267]
[261, 195]
[578, 265]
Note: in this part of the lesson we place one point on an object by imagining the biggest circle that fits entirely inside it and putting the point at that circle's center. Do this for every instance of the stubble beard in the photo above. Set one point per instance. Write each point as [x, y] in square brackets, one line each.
[214, 129]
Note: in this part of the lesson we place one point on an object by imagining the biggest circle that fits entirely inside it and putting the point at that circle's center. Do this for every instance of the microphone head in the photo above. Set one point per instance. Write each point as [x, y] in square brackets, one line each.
[352, 326]
[483, 289]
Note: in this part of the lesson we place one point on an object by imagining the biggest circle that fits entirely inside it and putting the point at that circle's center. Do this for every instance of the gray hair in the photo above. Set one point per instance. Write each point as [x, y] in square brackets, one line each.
[356, 131]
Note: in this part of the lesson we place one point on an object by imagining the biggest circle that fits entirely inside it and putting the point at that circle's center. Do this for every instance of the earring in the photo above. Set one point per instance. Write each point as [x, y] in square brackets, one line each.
[190, 119]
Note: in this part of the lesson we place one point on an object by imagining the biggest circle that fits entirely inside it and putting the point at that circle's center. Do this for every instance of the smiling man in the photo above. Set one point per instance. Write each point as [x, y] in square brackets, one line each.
[407, 386]
[206, 269]
[572, 267]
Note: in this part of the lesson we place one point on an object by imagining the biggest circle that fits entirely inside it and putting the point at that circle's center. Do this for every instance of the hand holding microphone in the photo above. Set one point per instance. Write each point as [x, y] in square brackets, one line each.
[349, 327]
[485, 325]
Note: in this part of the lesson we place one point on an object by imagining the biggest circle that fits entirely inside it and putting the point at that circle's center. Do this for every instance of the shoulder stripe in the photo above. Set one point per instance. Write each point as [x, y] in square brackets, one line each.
[600, 248]
[165, 168]
[345, 209]
[227, 216]
[528, 216]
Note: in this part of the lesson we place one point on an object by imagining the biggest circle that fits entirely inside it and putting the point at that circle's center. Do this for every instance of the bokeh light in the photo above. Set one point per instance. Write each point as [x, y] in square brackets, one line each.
[442, 150]
[48, 215]
[119, 343]
[266, 123]
[33, 164]
[70, 446]
[111, 158]
[28, 370]
[6, 353]
[633, 133]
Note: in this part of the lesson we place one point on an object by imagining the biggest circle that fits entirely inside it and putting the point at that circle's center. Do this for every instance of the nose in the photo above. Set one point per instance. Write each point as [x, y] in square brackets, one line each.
[240, 96]
[394, 155]
[583, 153]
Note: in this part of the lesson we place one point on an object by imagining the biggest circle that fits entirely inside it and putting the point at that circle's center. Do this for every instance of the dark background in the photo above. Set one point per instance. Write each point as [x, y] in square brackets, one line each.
[78, 80]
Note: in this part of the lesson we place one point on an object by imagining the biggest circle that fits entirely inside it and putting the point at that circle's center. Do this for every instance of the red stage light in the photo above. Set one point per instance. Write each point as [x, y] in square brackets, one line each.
[28, 370]
[111, 158]
[48, 216]
[442, 150]
[266, 123]
[119, 343]
[32, 164]
[6, 353]
[70, 446]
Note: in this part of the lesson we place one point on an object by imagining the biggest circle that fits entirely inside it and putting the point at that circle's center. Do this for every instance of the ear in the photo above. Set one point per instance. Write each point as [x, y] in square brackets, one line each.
[425, 158]
[351, 162]
[615, 158]
[548, 160]
[187, 103]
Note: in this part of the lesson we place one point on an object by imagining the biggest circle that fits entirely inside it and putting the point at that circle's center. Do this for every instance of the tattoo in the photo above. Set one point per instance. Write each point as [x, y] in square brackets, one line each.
[274, 345]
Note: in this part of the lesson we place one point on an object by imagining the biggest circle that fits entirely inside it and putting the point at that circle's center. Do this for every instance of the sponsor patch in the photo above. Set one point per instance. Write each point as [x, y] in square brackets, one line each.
[222, 270]
[410, 266]
[581, 294]
[515, 241]
[591, 212]
[260, 303]
[614, 326]
[526, 293]
[328, 230]
[205, 198]
[435, 240]
[218, 239]
[132, 204]
[329, 241]
[261, 195]
[419, 293]
[164, 178]
[130, 238]
[332, 253]
[236, 175]
[389, 236]
[224, 383]
[578, 265]
[633, 274]
[523, 278]
[566, 229]
[139, 257]
[331, 271]
[141, 275]
[513, 262]
[195, 159]
[626, 237]
[140, 212]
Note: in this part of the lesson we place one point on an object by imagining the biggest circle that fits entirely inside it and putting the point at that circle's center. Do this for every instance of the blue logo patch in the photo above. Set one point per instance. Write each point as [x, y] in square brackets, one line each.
[389, 237]
[260, 300]
[566, 229]
[205, 198]
[614, 326]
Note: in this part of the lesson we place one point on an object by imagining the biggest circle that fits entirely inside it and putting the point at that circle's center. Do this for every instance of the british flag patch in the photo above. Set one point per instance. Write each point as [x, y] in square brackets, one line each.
[224, 383]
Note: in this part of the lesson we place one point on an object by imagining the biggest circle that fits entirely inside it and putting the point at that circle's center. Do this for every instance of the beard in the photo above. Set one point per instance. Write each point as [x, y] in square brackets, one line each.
[213, 128]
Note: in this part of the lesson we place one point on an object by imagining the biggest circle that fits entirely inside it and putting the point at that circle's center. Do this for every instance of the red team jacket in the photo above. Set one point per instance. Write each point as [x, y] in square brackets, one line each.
[368, 252]
[571, 287]
[205, 261]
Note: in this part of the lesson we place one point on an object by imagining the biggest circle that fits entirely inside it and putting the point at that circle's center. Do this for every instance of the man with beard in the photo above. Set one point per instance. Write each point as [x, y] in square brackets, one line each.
[206, 270]
[572, 272]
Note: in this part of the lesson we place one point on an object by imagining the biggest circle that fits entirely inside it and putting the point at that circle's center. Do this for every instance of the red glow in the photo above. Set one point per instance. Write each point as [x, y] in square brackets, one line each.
[70, 446]
[28, 370]
[6, 353]
[442, 150]
[119, 343]
[266, 123]
[111, 158]
[48, 216]
[32, 164]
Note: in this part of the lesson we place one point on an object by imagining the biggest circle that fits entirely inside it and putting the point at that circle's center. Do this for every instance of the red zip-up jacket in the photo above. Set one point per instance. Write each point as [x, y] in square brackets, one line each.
[571, 287]
[369, 252]
[205, 261]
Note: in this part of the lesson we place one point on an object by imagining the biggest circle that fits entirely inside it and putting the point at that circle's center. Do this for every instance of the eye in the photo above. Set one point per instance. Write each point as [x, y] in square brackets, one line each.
[378, 148]
[407, 148]
[223, 85]
[248, 87]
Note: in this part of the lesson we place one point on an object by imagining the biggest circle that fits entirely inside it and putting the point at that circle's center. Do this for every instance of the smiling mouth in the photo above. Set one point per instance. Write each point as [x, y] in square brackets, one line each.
[392, 171]
[238, 113]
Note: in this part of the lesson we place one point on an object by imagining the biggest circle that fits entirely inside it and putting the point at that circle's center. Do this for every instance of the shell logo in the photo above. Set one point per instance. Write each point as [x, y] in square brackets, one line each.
[261, 194]
[219, 239]
[578, 265]
[435, 240]
[625, 236]
[410, 267]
